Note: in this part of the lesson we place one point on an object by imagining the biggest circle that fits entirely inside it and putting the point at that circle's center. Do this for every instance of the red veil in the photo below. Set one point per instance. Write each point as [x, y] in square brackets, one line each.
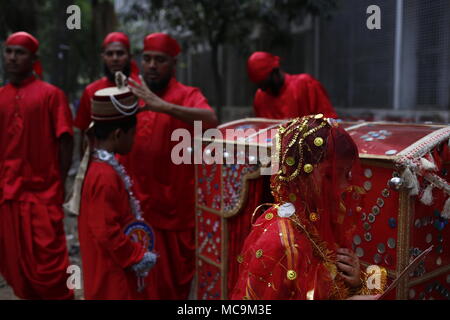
[290, 252]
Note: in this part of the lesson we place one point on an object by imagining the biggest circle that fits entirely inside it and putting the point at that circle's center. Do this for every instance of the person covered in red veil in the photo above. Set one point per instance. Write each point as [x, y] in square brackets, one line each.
[35, 155]
[300, 247]
[116, 56]
[166, 189]
[115, 242]
[285, 96]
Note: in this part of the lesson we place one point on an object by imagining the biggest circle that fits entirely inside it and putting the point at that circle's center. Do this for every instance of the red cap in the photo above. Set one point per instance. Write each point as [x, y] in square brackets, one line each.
[117, 37]
[26, 40]
[163, 43]
[23, 39]
[260, 65]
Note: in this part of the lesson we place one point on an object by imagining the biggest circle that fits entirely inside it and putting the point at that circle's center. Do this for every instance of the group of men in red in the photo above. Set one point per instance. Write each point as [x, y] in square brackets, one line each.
[36, 145]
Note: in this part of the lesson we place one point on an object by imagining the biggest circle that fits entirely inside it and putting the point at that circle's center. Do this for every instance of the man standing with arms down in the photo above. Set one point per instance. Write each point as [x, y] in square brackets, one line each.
[282, 95]
[35, 154]
[166, 190]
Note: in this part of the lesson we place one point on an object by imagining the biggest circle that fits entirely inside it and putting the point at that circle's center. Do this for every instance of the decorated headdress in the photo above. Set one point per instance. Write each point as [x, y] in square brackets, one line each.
[114, 103]
[319, 175]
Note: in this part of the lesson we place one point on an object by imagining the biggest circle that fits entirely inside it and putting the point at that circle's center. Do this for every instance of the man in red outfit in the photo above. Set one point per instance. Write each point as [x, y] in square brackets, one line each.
[116, 57]
[166, 190]
[110, 217]
[35, 154]
[282, 95]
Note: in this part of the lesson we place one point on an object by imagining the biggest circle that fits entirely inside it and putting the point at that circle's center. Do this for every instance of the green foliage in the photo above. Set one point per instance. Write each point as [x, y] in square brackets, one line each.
[219, 22]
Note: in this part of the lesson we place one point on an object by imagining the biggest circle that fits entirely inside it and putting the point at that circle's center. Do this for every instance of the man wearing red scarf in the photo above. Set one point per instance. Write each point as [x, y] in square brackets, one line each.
[284, 96]
[116, 57]
[166, 190]
[35, 154]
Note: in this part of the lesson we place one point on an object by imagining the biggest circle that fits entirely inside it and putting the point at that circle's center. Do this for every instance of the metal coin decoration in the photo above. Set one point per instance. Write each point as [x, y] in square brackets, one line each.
[380, 202]
[388, 260]
[368, 173]
[286, 210]
[395, 183]
[381, 248]
[363, 216]
[418, 223]
[368, 236]
[391, 152]
[377, 258]
[367, 185]
[367, 226]
[385, 193]
[357, 240]
[391, 243]
[375, 210]
[359, 252]
[371, 218]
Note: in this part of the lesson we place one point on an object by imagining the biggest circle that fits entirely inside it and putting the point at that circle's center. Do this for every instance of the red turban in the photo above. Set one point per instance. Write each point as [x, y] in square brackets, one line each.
[117, 37]
[30, 43]
[260, 65]
[163, 43]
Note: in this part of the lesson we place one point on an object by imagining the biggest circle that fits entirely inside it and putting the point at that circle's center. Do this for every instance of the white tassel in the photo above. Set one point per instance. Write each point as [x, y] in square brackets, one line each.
[411, 181]
[427, 165]
[427, 196]
[446, 210]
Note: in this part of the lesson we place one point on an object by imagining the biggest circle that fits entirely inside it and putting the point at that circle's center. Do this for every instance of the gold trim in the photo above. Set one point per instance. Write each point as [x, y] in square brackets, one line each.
[242, 199]
[429, 275]
[211, 262]
[405, 212]
[210, 210]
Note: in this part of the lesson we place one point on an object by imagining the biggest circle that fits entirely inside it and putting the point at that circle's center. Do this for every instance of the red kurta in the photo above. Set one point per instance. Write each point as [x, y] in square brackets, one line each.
[166, 192]
[83, 117]
[300, 95]
[106, 252]
[33, 252]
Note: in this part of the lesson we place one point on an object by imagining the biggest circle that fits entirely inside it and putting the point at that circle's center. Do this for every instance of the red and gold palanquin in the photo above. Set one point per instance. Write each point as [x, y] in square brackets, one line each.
[393, 227]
